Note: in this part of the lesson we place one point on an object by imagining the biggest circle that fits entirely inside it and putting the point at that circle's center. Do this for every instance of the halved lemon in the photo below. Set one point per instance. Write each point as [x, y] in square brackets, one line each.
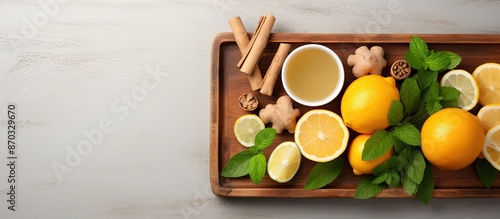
[488, 78]
[491, 148]
[284, 162]
[466, 84]
[246, 128]
[321, 135]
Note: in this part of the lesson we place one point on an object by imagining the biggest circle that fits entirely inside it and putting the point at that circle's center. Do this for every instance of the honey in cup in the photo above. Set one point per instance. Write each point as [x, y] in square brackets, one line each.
[312, 75]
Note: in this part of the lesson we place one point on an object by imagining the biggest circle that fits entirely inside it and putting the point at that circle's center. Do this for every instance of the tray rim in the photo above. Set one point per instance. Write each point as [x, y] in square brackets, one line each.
[227, 37]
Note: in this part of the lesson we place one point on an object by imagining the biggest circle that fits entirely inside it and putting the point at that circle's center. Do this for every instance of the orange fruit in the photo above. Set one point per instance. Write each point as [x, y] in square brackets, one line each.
[366, 103]
[354, 156]
[487, 76]
[321, 135]
[452, 138]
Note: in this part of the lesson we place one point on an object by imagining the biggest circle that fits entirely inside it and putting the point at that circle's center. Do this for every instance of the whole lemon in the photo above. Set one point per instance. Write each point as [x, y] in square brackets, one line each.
[366, 103]
[452, 138]
[354, 155]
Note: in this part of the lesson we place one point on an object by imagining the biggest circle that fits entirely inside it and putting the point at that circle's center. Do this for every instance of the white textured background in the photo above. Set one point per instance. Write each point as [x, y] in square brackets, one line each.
[66, 65]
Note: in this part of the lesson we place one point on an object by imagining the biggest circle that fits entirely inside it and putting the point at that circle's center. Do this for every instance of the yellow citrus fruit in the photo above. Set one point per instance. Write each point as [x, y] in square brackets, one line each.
[491, 148]
[466, 84]
[354, 155]
[489, 116]
[284, 162]
[246, 128]
[488, 78]
[321, 135]
[366, 103]
[452, 138]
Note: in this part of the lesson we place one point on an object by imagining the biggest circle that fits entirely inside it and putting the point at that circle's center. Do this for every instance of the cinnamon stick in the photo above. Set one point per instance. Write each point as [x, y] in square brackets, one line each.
[242, 40]
[256, 45]
[274, 69]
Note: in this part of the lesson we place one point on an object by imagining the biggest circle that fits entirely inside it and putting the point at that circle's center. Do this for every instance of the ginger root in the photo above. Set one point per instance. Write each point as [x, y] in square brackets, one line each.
[367, 61]
[282, 115]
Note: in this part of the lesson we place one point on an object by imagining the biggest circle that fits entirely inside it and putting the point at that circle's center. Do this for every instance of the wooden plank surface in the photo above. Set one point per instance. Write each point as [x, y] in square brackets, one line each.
[227, 84]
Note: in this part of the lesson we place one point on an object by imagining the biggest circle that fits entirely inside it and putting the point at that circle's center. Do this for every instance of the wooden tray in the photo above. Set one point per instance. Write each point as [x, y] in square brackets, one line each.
[227, 84]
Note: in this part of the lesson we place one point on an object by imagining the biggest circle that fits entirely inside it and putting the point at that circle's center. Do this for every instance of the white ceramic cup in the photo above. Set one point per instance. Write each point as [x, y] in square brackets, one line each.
[299, 53]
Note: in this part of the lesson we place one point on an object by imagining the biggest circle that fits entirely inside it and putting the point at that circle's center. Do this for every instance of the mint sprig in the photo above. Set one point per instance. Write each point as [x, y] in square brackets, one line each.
[421, 58]
[420, 97]
[252, 160]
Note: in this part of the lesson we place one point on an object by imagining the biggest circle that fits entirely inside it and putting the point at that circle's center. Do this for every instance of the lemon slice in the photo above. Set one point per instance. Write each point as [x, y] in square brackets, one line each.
[491, 148]
[321, 135]
[246, 128]
[284, 162]
[466, 84]
[488, 78]
[489, 116]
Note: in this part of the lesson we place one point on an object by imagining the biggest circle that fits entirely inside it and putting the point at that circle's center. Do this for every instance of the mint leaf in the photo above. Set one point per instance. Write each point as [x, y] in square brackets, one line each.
[398, 145]
[414, 62]
[410, 95]
[426, 187]
[424, 78]
[438, 61]
[486, 172]
[257, 168]
[404, 159]
[455, 60]
[238, 164]
[407, 133]
[366, 189]
[433, 106]
[377, 145]
[408, 185]
[324, 173]
[264, 138]
[381, 178]
[395, 113]
[419, 48]
[448, 93]
[449, 103]
[381, 168]
[416, 167]
[254, 149]
[432, 92]
[388, 165]
[395, 179]
[420, 117]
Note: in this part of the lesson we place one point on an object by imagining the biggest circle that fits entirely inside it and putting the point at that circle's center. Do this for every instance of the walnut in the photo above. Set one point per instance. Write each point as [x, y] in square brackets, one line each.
[248, 102]
[400, 69]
